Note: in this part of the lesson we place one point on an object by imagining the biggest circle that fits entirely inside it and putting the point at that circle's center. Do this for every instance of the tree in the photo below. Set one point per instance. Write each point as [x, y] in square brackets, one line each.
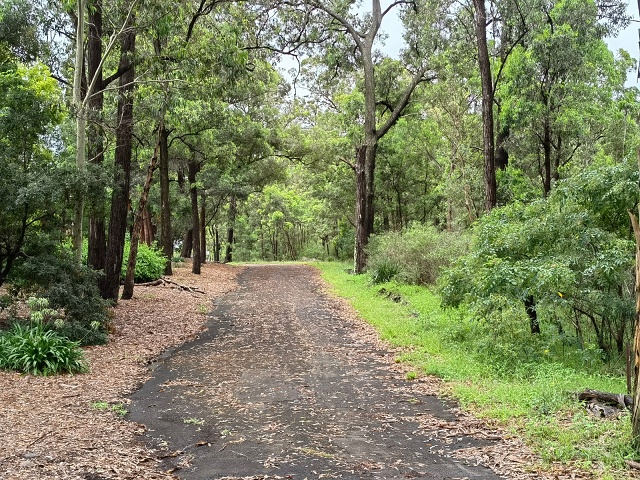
[355, 39]
[487, 104]
[82, 95]
[635, 418]
[556, 87]
[30, 192]
[568, 255]
[110, 283]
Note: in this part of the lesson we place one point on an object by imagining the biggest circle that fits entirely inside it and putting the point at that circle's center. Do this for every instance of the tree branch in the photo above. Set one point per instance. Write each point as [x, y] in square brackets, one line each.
[403, 102]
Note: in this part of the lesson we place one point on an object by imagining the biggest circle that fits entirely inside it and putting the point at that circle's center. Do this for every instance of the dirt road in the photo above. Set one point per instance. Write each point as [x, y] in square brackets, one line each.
[285, 384]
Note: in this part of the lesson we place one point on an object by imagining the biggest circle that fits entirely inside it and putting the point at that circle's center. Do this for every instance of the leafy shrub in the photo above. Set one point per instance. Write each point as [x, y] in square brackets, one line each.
[37, 349]
[69, 287]
[150, 263]
[414, 256]
[383, 270]
[571, 252]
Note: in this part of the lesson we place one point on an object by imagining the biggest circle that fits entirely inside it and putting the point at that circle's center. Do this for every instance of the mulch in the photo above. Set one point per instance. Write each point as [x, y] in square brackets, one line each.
[51, 427]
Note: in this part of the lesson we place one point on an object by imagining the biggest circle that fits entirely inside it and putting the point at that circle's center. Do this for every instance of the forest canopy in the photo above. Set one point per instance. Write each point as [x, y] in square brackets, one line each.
[494, 155]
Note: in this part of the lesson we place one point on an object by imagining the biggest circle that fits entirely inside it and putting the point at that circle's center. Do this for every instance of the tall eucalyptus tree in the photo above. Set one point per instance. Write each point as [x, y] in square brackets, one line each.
[348, 40]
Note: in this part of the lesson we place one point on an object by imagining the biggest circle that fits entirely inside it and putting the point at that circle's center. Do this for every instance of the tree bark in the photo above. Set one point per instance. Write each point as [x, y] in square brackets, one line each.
[187, 244]
[228, 256]
[129, 280]
[502, 154]
[166, 236]
[81, 129]
[203, 231]
[193, 193]
[362, 236]
[216, 245]
[635, 418]
[146, 234]
[97, 248]
[110, 284]
[619, 400]
[487, 105]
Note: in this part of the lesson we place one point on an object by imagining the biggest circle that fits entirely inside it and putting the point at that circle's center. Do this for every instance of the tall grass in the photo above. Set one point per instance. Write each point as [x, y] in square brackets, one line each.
[528, 385]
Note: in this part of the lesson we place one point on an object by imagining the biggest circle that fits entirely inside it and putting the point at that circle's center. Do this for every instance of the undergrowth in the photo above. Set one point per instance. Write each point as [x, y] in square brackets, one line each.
[36, 349]
[526, 384]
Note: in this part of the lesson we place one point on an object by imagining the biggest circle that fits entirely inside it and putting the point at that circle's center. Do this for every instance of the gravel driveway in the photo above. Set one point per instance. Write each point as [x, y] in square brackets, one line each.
[285, 383]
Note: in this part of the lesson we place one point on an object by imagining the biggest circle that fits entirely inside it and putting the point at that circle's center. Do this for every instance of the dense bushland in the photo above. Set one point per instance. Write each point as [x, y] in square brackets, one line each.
[52, 273]
[563, 264]
[415, 255]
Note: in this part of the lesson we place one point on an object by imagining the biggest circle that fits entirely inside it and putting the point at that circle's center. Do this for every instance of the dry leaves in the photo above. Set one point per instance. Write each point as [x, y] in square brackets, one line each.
[50, 426]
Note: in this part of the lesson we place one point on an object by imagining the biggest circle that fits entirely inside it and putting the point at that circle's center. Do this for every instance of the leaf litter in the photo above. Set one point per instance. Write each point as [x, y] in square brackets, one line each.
[49, 428]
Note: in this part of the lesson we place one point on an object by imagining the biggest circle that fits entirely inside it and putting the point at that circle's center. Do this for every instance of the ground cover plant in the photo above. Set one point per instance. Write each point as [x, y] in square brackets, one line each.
[492, 373]
[36, 348]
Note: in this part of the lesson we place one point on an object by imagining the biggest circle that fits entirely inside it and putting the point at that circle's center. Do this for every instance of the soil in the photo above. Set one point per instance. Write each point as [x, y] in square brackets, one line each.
[284, 382]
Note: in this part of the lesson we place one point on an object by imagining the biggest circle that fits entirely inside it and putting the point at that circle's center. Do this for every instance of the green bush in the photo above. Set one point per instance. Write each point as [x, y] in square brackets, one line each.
[571, 254]
[38, 350]
[414, 256]
[150, 263]
[383, 270]
[69, 287]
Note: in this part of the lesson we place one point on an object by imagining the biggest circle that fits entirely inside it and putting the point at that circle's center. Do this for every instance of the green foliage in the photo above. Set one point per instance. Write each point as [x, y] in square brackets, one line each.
[571, 252]
[150, 263]
[383, 270]
[52, 273]
[30, 190]
[117, 408]
[529, 389]
[36, 349]
[414, 256]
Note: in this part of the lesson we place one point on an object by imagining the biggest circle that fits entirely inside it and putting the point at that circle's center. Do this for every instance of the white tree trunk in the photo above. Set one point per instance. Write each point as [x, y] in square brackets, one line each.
[81, 131]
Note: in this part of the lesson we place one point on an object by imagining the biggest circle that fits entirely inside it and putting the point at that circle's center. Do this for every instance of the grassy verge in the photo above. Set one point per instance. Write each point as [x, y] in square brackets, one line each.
[483, 371]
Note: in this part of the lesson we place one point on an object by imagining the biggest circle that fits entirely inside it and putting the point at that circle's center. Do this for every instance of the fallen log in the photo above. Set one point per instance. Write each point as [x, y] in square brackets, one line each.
[614, 399]
[632, 464]
[171, 284]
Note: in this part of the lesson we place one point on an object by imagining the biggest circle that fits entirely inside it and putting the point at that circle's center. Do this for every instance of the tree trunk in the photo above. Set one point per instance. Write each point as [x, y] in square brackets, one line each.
[635, 418]
[361, 237]
[110, 283]
[502, 155]
[487, 105]
[146, 234]
[129, 280]
[81, 129]
[233, 206]
[187, 244]
[216, 244]
[636, 338]
[97, 248]
[193, 193]
[546, 147]
[530, 306]
[615, 399]
[166, 236]
[203, 232]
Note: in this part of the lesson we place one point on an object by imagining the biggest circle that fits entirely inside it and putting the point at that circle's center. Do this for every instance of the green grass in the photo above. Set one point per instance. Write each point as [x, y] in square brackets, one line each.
[117, 408]
[527, 387]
